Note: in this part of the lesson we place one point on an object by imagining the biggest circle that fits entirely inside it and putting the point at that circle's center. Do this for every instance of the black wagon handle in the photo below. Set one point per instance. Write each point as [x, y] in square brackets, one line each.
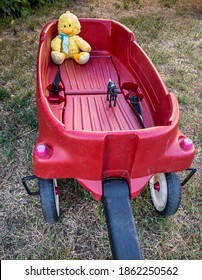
[189, 176]
[27, 179]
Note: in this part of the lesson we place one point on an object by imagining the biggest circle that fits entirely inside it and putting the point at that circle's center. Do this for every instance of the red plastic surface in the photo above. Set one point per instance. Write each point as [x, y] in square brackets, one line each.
[90, 141]
[92, 113]
[90, 78]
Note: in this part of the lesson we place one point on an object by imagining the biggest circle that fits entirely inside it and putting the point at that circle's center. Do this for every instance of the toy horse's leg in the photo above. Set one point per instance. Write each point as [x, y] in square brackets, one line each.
[107, 95]
[115, 100]
[110, 100]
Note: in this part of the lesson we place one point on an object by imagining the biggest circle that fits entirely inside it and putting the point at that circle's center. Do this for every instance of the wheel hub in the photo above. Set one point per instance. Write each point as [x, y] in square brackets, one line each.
[57, 190]
[157, 186]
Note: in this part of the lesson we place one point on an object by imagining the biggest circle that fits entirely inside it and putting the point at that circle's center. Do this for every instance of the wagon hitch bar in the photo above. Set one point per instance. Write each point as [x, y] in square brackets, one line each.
[120, 220]
[189, 176]
[25, 181]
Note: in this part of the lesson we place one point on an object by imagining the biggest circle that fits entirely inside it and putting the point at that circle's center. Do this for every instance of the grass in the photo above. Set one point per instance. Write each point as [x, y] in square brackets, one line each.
[20, 115]
[127, 4]
[4, 94]
[168, 3]
[170, 33]
[147, 27]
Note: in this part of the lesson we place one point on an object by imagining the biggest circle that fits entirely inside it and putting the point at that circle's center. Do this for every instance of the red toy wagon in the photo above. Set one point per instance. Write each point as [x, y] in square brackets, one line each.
[113, 148]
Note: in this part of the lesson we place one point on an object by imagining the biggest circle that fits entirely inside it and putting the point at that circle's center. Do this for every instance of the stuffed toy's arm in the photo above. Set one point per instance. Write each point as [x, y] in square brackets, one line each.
[82, 44]
[56, 44]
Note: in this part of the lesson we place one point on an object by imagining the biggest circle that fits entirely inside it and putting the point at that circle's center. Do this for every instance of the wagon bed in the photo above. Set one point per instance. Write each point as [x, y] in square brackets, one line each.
[79, 127]
[86, 104]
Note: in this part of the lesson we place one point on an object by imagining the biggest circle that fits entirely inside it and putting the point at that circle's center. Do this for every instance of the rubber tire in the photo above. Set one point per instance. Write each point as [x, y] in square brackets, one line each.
[173, 195]
[48, 203]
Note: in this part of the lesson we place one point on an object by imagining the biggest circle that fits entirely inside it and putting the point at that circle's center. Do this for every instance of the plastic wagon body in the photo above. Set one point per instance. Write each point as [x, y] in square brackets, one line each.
[89, 141]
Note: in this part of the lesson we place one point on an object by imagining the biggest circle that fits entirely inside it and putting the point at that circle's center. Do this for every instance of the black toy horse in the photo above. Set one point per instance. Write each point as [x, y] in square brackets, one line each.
[113, 91]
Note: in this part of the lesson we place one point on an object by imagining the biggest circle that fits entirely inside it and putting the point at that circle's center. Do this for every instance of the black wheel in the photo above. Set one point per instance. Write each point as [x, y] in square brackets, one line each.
[165, 190]
[49, 194]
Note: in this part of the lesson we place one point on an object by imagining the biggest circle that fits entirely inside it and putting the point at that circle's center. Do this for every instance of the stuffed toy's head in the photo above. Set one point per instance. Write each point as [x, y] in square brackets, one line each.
[67, 44]
[68, 24]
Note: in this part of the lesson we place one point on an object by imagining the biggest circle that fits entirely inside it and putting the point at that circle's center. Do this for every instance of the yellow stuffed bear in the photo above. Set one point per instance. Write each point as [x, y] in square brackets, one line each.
[68, 44]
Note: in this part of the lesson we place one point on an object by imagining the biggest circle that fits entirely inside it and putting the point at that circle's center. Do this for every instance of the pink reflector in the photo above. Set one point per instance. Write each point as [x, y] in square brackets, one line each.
[41, 150]
[186, 144]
